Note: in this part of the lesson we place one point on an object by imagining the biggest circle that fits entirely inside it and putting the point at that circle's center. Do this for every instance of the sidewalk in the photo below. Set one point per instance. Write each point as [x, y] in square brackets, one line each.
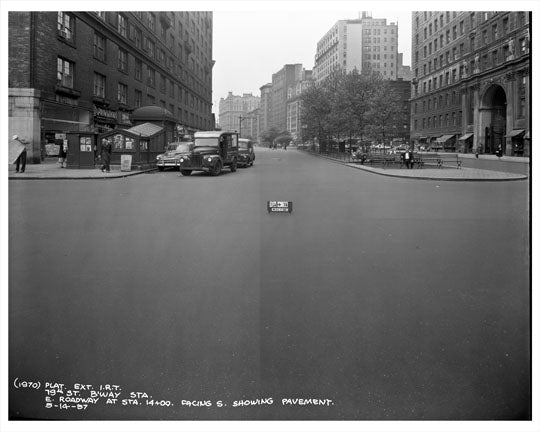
[445, 173]
[50, 170]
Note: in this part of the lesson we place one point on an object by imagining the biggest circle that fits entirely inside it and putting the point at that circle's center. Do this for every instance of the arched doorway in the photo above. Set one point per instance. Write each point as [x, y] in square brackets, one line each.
[494, 116]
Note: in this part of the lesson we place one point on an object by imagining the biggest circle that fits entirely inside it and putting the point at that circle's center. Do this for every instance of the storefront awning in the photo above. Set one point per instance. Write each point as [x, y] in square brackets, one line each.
[465, 137]
[515, 133]
[445, 138]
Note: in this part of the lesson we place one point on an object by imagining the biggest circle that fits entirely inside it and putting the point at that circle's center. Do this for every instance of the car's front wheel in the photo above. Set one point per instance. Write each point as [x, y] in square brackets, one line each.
[185, 172]
[217, 169]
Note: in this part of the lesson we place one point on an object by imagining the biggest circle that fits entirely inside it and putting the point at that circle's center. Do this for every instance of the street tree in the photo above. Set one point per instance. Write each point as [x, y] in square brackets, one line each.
[386, 112]
[316, 108]
[269, 135]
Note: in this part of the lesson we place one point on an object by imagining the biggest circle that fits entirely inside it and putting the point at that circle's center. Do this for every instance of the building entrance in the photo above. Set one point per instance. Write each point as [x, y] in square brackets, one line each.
[494, 116]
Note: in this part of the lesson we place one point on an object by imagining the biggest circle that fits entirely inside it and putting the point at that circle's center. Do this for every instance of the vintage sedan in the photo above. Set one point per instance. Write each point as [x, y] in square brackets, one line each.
[171, 158]
[246, 154]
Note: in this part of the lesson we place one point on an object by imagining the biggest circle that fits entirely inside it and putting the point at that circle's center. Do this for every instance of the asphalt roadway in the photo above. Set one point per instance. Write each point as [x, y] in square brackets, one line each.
[381, 298]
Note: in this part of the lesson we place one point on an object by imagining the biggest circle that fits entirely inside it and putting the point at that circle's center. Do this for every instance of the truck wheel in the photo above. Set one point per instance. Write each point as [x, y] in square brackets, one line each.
[234, 165]
[185, 172]
[161, 168]
[217, 169]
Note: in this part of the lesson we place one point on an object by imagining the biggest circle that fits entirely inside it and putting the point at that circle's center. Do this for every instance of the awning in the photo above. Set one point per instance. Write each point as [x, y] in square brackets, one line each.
[515, 133]
[445, 138]
[465, 137]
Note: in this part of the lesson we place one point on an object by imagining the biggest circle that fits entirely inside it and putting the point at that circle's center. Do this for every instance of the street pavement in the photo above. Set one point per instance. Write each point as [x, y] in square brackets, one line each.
[497, 170]
[387, 298]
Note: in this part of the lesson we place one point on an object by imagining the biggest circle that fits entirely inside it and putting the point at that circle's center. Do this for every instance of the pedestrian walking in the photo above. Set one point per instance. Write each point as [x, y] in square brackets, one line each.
[20, 162]
[106, 149]
[499, 152]
[62, 155]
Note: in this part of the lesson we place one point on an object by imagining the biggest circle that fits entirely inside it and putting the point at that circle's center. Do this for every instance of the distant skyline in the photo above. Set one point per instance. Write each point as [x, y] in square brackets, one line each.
[250, 45]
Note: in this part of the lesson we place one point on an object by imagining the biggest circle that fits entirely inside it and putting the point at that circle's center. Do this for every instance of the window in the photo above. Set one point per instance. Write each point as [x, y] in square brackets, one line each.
[100, 44]
[99, 85]
[101, 15]
[122, 60]
[137, 37]
[65, 26]
[505, 26]
[472, 44]
[151, 80]
[65, 70]
[138, 98]
[454, 33]
[484, 37]
[151, 99]
[122, 25]
[494, 32]
[494, 58]
[162, 83]
[122, 93]
[151, 21]
[138, 70]
[151, 48]
[461, 28]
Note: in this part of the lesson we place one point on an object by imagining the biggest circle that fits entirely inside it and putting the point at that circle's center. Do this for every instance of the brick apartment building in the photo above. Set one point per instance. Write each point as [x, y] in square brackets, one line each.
[87, 71]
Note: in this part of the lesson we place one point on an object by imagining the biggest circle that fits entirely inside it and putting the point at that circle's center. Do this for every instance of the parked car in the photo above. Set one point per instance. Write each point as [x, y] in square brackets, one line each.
[246, 154]
[171, 158]
[211, 152]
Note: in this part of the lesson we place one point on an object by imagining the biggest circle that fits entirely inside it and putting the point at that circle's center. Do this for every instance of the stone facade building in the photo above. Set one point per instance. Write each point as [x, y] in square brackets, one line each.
[87, 71]
[234, 109]
[286, 77]
[471, 81]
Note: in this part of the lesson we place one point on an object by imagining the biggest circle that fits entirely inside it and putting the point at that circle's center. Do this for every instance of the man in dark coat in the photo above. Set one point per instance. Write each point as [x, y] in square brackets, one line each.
[106, 150]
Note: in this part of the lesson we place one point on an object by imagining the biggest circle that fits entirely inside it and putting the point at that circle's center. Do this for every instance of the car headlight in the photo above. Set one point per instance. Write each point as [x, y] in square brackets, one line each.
[209, 159]
[159, 157]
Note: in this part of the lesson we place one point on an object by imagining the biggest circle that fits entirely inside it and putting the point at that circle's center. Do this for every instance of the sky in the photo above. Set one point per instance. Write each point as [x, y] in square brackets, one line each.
[252, 43]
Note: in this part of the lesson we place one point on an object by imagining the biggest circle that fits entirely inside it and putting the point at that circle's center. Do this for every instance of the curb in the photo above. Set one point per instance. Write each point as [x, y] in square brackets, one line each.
[104, 177]
[514, 177]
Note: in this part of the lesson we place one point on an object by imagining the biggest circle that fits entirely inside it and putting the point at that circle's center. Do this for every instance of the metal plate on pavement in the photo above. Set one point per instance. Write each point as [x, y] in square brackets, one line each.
[279, 206]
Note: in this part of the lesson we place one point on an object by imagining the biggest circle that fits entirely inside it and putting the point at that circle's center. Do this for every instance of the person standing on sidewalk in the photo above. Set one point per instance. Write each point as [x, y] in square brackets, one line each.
[21, 159]
[62, 154]
[106, 150]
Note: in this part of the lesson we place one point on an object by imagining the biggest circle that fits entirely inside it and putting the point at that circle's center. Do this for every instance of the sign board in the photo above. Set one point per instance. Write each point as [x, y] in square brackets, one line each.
[125, 162]
[15, 149]
[279, 206]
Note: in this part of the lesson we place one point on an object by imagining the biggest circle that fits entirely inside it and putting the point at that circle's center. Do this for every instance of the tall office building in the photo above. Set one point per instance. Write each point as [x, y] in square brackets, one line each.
[294, 104]
[367, 44]
[87, 71]
[233, 109]
[281, 81]
[471, 81]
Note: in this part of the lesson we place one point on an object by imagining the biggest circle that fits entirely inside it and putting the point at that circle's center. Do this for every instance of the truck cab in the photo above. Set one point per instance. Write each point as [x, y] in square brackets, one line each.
[212, 151]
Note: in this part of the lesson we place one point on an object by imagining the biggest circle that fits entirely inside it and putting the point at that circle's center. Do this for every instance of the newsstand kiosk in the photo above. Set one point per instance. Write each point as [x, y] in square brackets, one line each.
[82, 149]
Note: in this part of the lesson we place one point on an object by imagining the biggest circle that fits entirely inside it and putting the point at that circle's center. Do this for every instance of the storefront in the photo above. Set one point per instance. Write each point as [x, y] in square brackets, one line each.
[465, 143]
